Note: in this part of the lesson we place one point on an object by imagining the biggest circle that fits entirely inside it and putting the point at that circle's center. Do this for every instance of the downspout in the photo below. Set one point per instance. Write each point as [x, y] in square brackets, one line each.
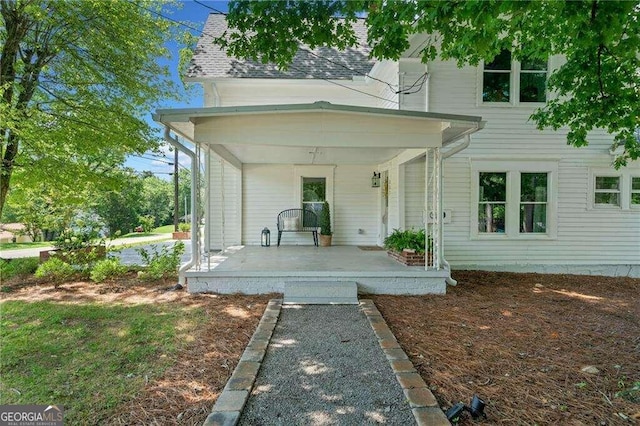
[195, 250]
[464, 145]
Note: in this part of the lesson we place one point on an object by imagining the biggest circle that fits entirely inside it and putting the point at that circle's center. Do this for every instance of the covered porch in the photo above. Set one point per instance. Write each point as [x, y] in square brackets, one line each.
[255, 270]
[256, 160]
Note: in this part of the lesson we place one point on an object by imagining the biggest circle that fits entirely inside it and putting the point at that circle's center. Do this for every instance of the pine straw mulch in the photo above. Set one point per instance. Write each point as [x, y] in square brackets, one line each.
[188, 389]
[519, 341]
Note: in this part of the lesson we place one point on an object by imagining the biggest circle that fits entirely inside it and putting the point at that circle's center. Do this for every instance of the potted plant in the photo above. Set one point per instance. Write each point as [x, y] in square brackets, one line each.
[184, 232]
[325, 225]
[408, 247]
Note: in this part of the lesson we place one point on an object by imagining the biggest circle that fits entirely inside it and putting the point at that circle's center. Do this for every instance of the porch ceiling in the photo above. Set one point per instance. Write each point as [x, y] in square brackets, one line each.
[318, 133]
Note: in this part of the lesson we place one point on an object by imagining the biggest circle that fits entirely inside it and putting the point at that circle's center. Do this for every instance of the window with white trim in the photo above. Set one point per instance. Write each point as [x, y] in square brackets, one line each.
[533, 202]
[607, 191]
[314, 193]
[506, 81]
[514, 199]
[492, 202]
[635, 191]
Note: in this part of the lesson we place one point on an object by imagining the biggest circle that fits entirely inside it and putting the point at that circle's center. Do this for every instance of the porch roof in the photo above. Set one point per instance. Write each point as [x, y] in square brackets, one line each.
[336, 133]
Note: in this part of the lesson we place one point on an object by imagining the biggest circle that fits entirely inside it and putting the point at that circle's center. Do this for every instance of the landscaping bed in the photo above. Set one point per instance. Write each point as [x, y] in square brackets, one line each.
[121, 352]
[520, 342]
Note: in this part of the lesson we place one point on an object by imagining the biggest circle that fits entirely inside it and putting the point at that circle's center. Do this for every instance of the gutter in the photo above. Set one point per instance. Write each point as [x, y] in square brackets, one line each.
[195, 250]
[464, 145]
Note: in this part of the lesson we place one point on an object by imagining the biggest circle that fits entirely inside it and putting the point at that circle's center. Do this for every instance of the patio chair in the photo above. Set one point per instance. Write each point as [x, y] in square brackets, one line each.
[298, 220]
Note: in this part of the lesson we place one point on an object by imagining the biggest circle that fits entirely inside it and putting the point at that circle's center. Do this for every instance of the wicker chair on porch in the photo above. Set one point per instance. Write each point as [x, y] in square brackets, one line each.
[298, 220]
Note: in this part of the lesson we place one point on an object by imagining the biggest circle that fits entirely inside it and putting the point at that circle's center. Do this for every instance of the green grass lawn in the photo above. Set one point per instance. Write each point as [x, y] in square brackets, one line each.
[88, 358]
[16, 246]
[167, 229]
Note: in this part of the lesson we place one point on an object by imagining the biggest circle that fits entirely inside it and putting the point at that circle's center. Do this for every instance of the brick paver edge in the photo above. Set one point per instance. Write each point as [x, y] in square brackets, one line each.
[230, 403]
[419, 396]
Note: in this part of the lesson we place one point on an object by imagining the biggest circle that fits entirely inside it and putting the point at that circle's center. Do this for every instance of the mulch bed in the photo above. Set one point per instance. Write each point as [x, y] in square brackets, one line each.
[520, 342]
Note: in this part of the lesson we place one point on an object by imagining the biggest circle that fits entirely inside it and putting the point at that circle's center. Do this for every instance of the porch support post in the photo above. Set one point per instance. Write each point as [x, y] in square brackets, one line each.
[437, 223]
[433, 207]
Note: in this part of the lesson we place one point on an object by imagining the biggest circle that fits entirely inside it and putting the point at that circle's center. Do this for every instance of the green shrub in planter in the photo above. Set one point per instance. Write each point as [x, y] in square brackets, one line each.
[408, 239]
[184, 227]
[107, 268]
[324, 221]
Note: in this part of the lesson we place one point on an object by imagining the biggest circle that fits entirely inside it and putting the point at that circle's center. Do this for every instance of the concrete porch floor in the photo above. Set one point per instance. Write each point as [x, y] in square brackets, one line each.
[254, 269]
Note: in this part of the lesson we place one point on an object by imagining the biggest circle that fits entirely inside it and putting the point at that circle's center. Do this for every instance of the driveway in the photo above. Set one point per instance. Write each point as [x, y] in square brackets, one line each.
[35, 252]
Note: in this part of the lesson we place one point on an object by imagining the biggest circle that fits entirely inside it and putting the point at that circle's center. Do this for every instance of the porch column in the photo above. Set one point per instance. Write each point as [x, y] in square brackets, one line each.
[433, 207]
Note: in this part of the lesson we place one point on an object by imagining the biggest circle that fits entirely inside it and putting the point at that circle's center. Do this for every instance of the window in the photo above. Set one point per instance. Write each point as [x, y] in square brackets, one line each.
[607, 191]
[507, 81]
[314, 190]
[492, 202]
[533, 202]
[533, 79]
[497, 79]
[514, 199]
[635, 191]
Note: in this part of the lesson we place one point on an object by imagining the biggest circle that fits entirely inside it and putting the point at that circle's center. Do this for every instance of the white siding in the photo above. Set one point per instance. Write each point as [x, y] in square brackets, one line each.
[585, 235]
[268, 189]
[414, 177]
[225, 204]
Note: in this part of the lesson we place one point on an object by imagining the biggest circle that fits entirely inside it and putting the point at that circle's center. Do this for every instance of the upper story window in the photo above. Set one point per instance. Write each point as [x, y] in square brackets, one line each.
[507, 81]
[496, 80]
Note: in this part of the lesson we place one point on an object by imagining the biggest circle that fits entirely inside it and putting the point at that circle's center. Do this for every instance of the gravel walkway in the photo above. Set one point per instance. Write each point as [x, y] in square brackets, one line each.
[324, 366]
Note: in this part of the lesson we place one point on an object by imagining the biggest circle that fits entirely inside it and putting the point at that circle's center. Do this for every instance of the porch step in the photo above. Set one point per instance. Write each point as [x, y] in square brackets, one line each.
[321, 292]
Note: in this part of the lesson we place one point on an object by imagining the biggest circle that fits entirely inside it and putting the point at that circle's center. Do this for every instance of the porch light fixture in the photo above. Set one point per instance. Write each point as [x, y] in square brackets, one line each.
[265, 237]
[375, 180]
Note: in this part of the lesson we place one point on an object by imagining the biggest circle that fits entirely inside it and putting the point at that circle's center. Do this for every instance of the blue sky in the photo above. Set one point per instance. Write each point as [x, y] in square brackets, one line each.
[194, 15]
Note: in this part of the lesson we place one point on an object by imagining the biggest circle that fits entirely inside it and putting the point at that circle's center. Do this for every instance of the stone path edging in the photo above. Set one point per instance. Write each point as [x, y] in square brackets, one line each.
[229, 405]
[423, 404]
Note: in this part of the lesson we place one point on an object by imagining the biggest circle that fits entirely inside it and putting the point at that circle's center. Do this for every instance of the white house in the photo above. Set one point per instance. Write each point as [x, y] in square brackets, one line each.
[455, 149]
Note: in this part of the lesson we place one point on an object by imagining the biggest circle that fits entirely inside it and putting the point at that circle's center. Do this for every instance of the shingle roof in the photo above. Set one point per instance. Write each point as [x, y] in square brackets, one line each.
[209, 61]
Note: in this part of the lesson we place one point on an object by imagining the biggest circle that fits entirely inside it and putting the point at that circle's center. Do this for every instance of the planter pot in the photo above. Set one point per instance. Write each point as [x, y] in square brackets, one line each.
[100, 253]
[181, 235]
[410, 257]
[325, 240]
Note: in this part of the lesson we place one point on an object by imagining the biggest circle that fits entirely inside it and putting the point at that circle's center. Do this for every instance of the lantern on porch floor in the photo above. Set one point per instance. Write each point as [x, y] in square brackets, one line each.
[265, 238]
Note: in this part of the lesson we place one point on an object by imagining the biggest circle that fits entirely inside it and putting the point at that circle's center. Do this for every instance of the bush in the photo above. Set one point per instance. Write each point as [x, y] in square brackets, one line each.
[147, 222]
[408, 239]
[107, 268]
[15, 267]
[161, 263]
[55, 270]
[184, 227]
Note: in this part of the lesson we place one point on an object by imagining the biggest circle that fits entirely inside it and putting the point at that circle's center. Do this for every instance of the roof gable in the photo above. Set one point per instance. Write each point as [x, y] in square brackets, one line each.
[209, 61]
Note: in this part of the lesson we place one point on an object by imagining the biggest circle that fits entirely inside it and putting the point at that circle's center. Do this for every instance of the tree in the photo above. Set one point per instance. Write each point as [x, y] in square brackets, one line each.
[75, 79]
[157, 196]
[44, 211]
[120, 208]
[597, 87]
